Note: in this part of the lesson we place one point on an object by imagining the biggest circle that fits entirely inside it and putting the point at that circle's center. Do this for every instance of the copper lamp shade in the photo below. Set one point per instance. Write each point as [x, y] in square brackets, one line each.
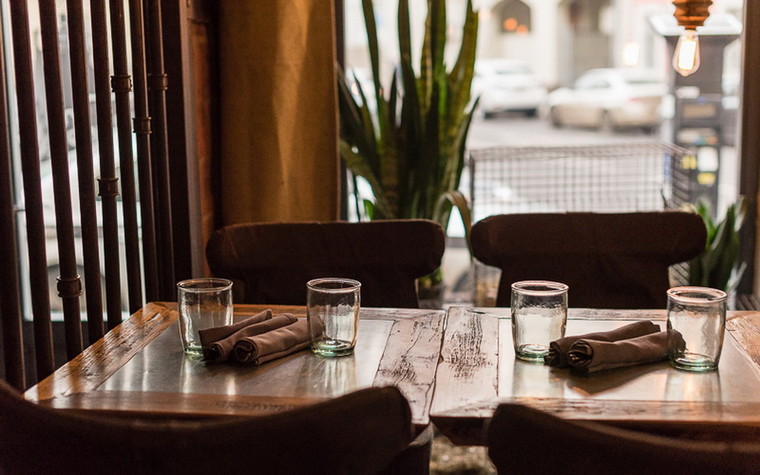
[691, 13]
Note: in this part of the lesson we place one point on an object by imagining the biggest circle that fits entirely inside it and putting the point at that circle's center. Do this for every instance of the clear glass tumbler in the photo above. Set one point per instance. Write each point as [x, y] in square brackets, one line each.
[203, 303]
[696, 326]
[332, 308]
[539, 316]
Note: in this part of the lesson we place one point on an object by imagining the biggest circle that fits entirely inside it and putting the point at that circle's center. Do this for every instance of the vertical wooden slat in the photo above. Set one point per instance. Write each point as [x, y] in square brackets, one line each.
[121, 84]
[109, 187]
[142, 127]
[176, 25]
[69, 283]
[30, 162]
[86, 175]
[10, 303]
[158, 84]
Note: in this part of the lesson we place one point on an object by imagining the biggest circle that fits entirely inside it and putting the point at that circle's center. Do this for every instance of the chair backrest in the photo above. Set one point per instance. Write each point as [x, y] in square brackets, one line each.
[273, 261]
[361, 432]
[609, 260]
[525, 440]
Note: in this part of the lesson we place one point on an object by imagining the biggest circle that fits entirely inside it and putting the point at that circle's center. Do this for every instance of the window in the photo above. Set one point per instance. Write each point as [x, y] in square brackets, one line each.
[514, 17]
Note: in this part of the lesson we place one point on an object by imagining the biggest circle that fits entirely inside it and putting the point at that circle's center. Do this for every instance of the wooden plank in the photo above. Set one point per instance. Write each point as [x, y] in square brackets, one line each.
[624, 410]
[464, 400]
[745, 328]
[407, 355]
[124, 403]
[96, 363]
[585, 313]
[466, 425]
[468, 370]
[411, 357]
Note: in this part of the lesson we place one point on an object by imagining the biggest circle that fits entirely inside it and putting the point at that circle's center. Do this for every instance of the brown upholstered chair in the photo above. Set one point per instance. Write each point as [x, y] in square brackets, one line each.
[615, 260]
[273, 261]
[525, 440]
[361, 432]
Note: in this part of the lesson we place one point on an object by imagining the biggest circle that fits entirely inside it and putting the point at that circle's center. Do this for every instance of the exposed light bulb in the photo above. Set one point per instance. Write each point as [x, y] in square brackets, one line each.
[686, 55]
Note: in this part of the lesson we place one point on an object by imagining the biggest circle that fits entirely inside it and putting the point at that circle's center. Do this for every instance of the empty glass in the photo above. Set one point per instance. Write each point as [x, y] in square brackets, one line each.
[696, 326]
[203, 303]
[333, 312]
[539, 316]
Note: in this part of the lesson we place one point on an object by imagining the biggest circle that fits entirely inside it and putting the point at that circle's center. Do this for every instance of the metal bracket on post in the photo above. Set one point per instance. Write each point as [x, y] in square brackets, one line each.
[121, 83]
[141, 125]
[199, 11]
[108, 187]
[70, 287]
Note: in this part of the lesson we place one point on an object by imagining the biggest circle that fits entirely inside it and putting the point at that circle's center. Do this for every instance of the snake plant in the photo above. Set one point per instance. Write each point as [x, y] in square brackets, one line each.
[718, 266]
[410, 147]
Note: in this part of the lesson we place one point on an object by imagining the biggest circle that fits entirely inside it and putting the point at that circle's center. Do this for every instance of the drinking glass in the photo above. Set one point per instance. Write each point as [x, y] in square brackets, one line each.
[332, 309]
[696, 326]
[203, 303]
[539, 316]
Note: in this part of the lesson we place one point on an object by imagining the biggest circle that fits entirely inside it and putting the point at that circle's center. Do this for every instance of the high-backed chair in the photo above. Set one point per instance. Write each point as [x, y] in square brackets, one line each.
[525, 440]
[361, 432]
[610, 260]
[273, 261]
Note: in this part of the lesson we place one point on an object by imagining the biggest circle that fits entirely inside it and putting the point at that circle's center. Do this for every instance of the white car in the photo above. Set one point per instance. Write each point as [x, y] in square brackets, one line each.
[506, 85]
[610, 98]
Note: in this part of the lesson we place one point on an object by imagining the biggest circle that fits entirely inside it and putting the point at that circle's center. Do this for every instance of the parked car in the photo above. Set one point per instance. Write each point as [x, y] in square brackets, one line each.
[506, 85]
[612, 98]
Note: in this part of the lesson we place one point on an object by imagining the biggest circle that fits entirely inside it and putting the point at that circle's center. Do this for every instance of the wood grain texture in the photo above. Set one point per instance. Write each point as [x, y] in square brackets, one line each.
[745, 328]
[152, 404]
[411, 357]
[96, 363]
[584, 313]
[406, 343]
[468, 370]
[470, 384]
[467, 425]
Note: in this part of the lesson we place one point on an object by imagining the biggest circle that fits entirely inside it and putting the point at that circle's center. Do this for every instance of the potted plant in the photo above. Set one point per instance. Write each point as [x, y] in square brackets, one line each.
[410, 146]
[718, 265]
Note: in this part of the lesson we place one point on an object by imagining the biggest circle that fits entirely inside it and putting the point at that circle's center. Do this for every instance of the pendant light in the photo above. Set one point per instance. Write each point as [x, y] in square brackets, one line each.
[690, 14]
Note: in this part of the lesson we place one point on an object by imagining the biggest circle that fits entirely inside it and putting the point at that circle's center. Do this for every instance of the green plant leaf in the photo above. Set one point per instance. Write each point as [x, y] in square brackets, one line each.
[359, 166]
[374, 51]
[718, 265]
[456, 199]
[411, 147]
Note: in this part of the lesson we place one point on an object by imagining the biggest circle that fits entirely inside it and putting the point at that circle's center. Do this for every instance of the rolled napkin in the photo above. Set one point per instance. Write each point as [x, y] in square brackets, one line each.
[221, 350]
[210, 335]
[258, 349]
[558, 349]
[588, 356]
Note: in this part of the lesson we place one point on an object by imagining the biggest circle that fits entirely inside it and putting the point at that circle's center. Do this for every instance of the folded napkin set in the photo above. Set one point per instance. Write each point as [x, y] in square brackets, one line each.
[255, 340]
[637, 343]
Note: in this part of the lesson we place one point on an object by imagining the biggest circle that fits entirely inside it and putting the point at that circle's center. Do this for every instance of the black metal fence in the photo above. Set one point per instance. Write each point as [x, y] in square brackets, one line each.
[622, 177]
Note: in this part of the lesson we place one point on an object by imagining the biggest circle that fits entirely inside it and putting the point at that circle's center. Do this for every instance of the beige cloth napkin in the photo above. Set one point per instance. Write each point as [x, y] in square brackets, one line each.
[588, 356]
[222, 350]
[558, 349]
[210, 335]
[258, 349]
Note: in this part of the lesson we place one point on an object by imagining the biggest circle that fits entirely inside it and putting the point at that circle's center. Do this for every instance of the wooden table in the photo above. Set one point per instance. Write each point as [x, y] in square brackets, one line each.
[139, 367]
[478, 370]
